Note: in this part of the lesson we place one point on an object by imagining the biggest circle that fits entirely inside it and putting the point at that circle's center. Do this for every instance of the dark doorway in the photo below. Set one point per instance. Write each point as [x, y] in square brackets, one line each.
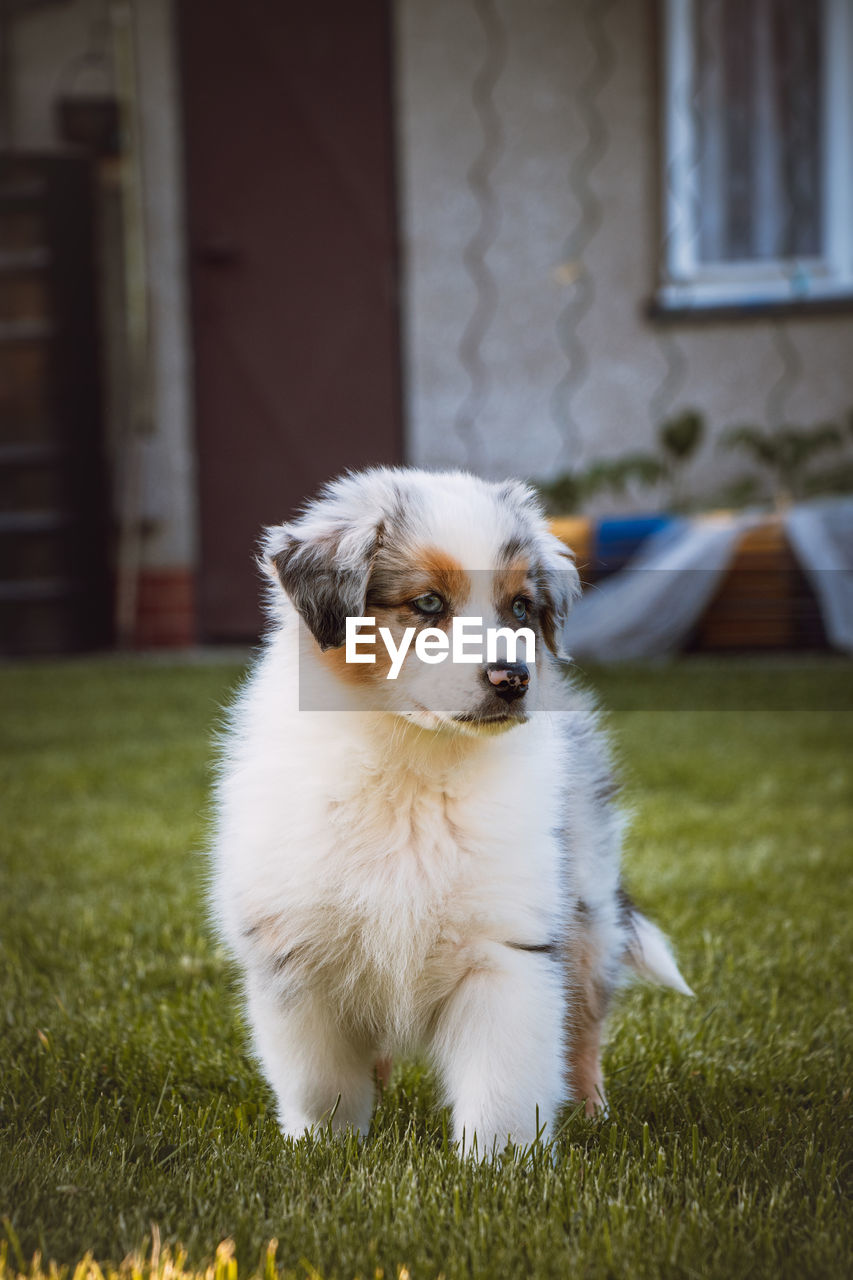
[55, 588]
[292, 238]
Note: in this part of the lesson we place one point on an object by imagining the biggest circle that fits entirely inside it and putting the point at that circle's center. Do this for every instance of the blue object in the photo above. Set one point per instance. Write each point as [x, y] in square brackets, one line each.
[618, 538]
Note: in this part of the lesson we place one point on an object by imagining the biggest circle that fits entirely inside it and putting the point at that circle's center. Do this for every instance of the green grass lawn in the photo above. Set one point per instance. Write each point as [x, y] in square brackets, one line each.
[129, 1105]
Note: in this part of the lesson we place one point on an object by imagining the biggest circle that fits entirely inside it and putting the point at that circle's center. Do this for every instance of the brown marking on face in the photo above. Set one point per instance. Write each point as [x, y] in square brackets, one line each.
[446, 574]
[398, 579]
[360, 674]
[510, 582]
[396, 618]
[364, 674]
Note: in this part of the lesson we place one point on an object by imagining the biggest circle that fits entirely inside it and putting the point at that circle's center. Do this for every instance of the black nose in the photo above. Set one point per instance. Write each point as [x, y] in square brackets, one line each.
[508, 679]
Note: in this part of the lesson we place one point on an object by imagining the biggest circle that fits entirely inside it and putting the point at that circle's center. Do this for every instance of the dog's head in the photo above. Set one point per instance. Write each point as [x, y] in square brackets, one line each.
[415, 551]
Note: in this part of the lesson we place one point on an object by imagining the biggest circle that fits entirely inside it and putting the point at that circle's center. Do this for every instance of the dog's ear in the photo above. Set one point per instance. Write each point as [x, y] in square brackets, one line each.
[324, 568]
[558, 586]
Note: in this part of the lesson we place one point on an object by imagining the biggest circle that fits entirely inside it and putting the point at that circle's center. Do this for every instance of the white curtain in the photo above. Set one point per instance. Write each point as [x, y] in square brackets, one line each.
[758, 107]
[821, 534]
[649, 608]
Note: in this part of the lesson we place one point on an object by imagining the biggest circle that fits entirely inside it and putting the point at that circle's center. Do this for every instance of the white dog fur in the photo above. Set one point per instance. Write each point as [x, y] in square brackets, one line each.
[421, 864]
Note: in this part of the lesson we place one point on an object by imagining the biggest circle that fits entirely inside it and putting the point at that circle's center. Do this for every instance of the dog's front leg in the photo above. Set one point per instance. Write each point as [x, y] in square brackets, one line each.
[318, 1074]
[498, 1045]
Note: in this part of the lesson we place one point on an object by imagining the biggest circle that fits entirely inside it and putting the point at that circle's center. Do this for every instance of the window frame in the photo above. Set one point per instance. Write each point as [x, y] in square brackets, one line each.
[685, 282]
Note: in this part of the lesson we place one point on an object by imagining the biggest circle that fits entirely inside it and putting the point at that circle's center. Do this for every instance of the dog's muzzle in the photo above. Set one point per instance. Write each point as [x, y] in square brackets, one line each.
[509, 680]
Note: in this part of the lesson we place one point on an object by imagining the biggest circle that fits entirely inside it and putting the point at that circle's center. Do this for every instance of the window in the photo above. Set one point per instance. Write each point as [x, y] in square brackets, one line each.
[758, 131]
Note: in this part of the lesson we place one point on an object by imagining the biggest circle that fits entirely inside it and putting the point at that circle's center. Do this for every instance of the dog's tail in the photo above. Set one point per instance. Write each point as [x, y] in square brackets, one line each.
[649, 953]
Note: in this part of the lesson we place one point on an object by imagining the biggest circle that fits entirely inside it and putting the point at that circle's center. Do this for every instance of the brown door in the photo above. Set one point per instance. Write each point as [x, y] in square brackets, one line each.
[288, 135]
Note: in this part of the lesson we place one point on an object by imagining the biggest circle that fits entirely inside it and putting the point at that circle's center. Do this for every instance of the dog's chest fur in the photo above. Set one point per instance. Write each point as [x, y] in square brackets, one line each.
[397, 868]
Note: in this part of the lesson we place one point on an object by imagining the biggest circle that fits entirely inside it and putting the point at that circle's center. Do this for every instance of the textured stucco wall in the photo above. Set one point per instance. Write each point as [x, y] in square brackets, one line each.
[528, 144]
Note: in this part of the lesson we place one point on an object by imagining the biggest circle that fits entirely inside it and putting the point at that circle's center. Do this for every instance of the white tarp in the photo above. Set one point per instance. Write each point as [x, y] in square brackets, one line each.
[648, 609]
[821, 535]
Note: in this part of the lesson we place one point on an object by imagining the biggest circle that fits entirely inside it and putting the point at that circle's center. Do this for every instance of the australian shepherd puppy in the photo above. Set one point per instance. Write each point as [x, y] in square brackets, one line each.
[426, 860]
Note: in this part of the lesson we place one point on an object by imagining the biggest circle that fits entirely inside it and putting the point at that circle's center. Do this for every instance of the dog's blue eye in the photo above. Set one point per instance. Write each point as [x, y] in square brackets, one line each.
[519, 608]
[430, 603]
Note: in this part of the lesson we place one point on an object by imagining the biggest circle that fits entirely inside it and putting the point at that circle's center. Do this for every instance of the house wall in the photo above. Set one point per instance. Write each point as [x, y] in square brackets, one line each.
[528, 171]
[529, 177]
[47, 44]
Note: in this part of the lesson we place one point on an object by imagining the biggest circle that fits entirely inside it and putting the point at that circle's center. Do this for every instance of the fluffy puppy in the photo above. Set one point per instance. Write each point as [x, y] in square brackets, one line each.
[429, 862]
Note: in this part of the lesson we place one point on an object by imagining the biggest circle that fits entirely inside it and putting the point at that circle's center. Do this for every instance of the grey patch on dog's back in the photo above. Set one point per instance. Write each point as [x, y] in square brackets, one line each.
[606, 788]
[278, 964]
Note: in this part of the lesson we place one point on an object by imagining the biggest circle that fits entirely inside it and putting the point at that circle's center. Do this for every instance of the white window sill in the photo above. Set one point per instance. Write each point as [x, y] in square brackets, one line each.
[707, 299]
